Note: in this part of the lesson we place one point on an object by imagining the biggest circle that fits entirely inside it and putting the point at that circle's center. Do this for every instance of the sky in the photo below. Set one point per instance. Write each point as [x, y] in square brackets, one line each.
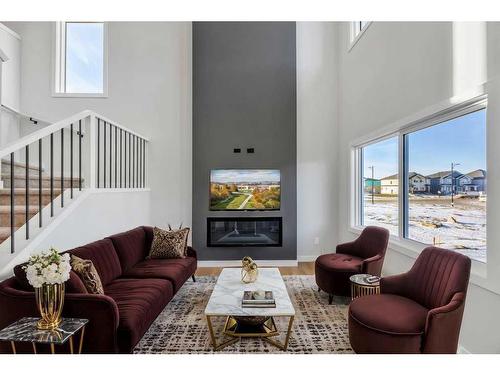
[244, 175]
[84, 57]
[460, 140]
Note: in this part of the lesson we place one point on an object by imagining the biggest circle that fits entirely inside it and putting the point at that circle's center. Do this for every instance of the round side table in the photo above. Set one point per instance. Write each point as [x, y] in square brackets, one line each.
[361, 287]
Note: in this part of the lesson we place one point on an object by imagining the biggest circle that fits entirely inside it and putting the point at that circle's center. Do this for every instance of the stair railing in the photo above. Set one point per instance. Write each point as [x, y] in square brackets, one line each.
[108, 156]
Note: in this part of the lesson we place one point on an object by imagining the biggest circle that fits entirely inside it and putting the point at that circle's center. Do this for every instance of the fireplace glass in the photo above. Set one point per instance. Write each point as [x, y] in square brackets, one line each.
[248, 231]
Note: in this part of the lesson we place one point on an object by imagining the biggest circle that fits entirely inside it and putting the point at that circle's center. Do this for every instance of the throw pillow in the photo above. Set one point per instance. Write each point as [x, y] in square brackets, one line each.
[168, 244]
[85, 269]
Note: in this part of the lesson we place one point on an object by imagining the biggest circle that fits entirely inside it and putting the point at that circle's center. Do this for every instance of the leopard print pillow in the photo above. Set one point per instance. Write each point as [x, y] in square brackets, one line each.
[85, 269]
[169, 244]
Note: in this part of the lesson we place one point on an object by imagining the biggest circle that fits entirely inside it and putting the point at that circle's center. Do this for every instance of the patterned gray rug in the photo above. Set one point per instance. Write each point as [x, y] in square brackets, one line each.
[181, 328]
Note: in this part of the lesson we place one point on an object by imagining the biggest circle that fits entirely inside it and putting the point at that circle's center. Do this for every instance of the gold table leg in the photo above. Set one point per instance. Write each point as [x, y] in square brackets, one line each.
[34, 347]
[215, 345]
[282, 346]
[52, 348]
[13, 346]
[71, 350]
[80, 346]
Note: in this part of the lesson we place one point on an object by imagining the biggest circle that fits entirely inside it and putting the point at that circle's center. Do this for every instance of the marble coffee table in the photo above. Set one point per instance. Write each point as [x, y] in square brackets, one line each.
[225, 301]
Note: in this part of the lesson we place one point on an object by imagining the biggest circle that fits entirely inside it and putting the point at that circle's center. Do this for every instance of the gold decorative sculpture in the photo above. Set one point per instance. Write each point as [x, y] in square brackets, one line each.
[249, 270]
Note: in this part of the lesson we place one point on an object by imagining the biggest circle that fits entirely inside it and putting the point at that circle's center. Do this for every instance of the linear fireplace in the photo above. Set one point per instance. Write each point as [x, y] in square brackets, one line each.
[244, 231]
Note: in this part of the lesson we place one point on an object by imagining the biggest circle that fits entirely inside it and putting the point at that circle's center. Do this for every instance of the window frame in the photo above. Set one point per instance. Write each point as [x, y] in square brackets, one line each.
[401, 242]
[59, 63]
[356, 33]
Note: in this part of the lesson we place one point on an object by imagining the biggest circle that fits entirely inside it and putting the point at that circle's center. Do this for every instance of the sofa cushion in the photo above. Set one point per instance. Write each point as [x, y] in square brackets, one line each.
[139, 302]
[339, 262]
[73, 285]
[389, 313]
[175, 270]
[169, 244]
[130, 247]
[103, 256]
[85, 269]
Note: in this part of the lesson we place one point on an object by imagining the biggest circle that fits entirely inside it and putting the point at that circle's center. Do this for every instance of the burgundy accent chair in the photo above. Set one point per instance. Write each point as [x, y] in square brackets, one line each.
[136, 290]
[417, 312]
[364, 255]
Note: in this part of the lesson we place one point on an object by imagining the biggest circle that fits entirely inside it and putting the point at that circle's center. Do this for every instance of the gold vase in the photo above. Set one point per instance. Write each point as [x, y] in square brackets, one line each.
[50, 301]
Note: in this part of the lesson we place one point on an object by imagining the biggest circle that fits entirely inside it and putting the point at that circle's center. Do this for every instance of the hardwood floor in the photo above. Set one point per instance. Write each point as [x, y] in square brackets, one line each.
[303, 268]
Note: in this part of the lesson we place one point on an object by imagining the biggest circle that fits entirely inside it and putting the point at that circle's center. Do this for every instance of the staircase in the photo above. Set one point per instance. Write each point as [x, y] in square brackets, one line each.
[37, 199]
[44, 172]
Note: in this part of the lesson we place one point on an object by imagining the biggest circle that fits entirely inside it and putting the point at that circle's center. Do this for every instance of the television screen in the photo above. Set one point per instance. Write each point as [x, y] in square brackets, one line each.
[245, 189]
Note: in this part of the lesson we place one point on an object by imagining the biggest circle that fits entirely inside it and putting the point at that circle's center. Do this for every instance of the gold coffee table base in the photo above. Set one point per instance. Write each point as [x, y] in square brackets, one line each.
[265, 331]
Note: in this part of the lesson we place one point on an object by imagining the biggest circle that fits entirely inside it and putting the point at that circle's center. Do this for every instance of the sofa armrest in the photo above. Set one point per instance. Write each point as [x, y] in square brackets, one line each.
[103, 315]
[394, 284]
[372, 265]
[345, 248]
[442, 327]
[100, 310]
[191, 252]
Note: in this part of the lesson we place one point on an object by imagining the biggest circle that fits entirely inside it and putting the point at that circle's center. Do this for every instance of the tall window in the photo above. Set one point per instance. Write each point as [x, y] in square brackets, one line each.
[447, 184]
[380, 184]
[80, 59]
[441, 195]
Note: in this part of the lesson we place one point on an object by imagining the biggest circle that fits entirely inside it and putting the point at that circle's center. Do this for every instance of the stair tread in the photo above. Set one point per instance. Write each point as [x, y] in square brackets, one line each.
[18, 208]
[35, 178]
[20, 164]
[32, 191]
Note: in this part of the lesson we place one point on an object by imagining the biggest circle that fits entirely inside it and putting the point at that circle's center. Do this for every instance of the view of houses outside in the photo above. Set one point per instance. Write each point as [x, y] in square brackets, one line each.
[447, 182]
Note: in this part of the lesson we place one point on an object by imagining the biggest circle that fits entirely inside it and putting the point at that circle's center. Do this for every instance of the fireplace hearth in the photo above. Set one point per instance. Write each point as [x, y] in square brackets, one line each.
[244, 231]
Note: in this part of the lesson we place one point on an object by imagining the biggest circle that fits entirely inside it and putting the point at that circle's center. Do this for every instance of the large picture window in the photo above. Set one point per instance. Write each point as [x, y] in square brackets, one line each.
[440, 199]
[446, 177]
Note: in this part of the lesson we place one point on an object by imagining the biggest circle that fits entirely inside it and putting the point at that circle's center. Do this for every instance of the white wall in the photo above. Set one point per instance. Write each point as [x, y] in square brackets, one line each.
[149, 84]
[397, 70]
[317, 61]
[10, 81]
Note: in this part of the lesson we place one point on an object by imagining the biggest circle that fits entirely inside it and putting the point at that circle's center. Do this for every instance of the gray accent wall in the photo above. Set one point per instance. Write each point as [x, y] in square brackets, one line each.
[244, 96]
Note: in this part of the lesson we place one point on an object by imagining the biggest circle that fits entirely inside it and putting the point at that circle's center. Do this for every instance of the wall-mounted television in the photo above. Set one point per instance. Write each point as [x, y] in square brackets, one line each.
[245, 189]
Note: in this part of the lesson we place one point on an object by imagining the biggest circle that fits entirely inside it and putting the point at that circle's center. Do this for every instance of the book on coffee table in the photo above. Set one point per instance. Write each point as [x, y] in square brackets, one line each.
[258, 299]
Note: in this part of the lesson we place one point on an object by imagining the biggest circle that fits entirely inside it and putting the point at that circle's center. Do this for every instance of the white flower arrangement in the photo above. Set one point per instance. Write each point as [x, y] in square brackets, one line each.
[48, 267]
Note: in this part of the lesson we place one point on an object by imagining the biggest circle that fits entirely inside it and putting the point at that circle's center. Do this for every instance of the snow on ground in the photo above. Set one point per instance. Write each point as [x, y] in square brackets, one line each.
[461, 228]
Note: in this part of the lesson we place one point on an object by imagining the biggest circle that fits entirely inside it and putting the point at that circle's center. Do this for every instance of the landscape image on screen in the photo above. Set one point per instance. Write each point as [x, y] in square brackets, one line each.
[245, 189]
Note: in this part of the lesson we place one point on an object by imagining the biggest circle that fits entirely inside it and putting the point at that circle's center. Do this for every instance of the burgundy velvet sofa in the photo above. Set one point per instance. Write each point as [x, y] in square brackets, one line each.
[364, 255]
[136, 290]
[417, 312]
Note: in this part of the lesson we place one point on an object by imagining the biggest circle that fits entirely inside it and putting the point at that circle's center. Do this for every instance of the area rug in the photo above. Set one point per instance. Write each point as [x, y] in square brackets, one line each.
[182, 329]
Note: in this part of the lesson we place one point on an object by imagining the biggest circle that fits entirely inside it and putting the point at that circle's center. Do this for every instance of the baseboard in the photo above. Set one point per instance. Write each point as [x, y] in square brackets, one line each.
[237, 263]
[307, 258]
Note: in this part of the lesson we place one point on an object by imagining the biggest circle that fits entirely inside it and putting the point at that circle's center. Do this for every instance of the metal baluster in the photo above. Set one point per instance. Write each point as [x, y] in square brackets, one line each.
[12, 201]
[110, 155]
[40, 183]
[104, 151]
[27, 193]
[51, 174]
[80, 155]
[129, 159]
[140, 162]
[62, 167]
[136, 161]
[121, 160]
[98, 148]
[133, 163]
[71, 159]
[125, 159]
[116, 154]
[144, 163]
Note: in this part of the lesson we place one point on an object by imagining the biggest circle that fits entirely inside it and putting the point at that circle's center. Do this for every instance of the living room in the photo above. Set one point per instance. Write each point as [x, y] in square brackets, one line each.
[280, 185]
